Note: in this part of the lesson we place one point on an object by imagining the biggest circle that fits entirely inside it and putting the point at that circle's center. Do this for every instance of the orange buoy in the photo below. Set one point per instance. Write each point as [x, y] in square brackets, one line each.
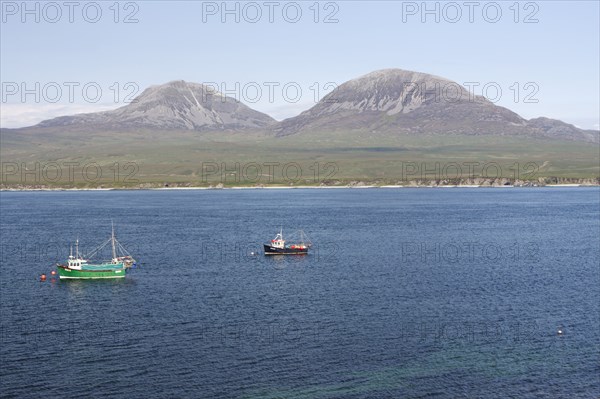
[53, 272]
[43, 277]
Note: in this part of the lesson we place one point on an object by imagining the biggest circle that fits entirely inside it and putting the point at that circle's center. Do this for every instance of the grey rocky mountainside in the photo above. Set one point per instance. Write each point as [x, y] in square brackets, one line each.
[390, 101]
[176, 105]
[405, 102]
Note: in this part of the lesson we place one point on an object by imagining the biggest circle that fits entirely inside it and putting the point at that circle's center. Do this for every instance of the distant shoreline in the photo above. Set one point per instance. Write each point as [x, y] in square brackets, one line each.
[284, 187]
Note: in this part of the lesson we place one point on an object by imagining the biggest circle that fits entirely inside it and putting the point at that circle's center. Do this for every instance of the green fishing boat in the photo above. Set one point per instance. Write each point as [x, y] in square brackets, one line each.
[80, 267]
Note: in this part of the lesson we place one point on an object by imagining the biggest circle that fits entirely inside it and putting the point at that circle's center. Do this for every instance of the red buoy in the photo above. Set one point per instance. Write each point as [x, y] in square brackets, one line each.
[43, 277]
[53, 272]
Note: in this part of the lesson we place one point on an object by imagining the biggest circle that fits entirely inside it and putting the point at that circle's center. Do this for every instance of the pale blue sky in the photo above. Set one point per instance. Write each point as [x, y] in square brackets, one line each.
[559, 54]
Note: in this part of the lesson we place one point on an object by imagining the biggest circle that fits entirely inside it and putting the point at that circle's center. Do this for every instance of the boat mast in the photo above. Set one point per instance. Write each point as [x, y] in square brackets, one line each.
[76, 248]
[112, 239]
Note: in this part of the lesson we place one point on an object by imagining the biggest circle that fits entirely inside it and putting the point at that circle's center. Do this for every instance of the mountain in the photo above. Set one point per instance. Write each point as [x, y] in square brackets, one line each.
[391, 102]
[367, 129]
[176, 105]
[402, 102]
[559, 129]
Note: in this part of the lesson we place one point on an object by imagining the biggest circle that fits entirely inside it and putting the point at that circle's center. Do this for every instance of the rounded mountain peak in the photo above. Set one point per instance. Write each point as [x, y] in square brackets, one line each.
[392, 91]
[396, 75]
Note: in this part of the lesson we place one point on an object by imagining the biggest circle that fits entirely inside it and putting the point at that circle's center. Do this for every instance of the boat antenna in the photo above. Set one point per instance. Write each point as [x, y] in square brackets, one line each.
[114, 250]
[77, 247]
[71, 252]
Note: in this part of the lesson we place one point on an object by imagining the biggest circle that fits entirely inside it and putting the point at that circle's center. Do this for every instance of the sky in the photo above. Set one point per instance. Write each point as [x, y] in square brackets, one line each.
[537, 58]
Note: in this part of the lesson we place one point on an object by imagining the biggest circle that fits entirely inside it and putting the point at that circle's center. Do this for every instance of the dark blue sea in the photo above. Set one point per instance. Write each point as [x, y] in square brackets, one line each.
[408, 293]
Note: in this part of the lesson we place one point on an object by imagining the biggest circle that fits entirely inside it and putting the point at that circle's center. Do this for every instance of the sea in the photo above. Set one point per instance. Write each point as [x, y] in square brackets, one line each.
[405, 293]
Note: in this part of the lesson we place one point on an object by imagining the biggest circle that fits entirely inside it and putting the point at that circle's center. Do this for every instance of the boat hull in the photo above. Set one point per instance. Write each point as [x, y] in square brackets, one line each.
[269, 250]
[67, 273]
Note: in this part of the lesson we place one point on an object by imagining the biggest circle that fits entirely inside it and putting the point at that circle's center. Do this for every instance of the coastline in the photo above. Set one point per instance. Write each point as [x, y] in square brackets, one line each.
[292, 187]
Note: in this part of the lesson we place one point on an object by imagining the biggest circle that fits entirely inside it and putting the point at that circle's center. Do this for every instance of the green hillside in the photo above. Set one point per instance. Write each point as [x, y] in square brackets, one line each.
[126, 159]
